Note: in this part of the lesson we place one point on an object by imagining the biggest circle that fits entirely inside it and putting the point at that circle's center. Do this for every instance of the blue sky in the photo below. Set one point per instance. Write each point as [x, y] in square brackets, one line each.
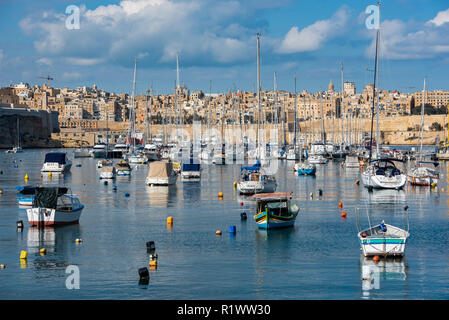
[216, 41]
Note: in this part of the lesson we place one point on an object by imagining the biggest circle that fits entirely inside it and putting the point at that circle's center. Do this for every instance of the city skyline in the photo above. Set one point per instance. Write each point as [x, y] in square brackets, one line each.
[216, 42]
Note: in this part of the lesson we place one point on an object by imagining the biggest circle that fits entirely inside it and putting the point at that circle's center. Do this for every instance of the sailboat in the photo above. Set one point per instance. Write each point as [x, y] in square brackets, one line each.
[381, 173]
[423, 174]
[292, 152]
[17, 148]
[134, 157]
[253, 179]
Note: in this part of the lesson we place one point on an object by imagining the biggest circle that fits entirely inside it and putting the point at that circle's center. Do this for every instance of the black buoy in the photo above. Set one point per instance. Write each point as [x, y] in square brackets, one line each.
[127, 194]
[105, 182]
[144, 276]
[406, 208]
[320, 192]
[243, 216]
[151, 246]
[19, 224]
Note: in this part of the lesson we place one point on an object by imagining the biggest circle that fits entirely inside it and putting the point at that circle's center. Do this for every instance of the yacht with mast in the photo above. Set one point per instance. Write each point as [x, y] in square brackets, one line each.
[380, 173]
[424, 172]
[17, 148]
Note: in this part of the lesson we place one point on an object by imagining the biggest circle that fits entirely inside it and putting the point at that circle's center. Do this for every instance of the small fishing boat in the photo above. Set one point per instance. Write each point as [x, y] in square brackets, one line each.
[305, 168]
[25, 195]
[423, 174]
[352, 162]
[56, 162]
[253, 180]
[54, 206]
[191, 170]
[383, 239]
[161, 173]
[107, 172]
[123, 168]
[317, 159]
[273, 210]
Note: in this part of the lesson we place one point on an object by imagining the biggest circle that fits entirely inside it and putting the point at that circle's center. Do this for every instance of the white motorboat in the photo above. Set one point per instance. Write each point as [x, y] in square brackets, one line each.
[352, 162]
[191, 171]
[253, 180]
[150, 150]
[82, 153]
[137, 158]
[53, 206]
[424, 174]
[161, 173]
[99, 150]
[293, 154]
[383, 174]
[56, 162]
[123, 168]
[317, 159]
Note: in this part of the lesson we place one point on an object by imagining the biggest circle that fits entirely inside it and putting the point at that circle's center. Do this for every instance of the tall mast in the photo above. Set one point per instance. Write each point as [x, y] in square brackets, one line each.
[422, 118]
[374, 94]
[132, 112]
[294, 118]
[342, 109]
[258, 90]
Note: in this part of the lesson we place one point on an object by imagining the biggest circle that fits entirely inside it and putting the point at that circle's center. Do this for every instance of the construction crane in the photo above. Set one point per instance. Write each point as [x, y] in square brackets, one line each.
[48, 78]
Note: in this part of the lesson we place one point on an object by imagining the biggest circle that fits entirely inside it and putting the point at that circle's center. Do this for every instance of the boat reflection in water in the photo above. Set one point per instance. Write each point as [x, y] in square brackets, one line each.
[384, 196]
[51, 238]
[161, 196]
[376, 274]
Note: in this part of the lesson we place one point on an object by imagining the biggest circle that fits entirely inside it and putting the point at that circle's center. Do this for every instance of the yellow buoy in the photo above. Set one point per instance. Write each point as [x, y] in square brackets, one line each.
[43, 251]
[235, 185]
[170, 220]
[2, 266]
[23, 263]
[78, 240]
[26, 176]
[153, 264]
[23, 254]
[220, 194]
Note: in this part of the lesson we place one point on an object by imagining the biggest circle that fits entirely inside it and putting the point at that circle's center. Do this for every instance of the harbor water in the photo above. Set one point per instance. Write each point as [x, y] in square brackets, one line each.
[319, 258]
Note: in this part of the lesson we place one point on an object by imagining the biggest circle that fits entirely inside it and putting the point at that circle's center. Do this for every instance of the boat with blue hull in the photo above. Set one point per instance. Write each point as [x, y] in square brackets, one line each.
[274, 211]
[25, 195]
[305, 169]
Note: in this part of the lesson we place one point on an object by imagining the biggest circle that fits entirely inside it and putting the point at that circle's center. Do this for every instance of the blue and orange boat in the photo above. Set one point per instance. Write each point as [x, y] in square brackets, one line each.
[273, 210]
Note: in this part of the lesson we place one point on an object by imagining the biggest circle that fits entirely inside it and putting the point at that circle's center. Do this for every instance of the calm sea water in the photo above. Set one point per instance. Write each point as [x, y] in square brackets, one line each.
[319, 258]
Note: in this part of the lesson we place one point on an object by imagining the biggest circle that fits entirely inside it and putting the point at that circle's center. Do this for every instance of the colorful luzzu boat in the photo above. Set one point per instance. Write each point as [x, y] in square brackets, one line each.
[274, 210]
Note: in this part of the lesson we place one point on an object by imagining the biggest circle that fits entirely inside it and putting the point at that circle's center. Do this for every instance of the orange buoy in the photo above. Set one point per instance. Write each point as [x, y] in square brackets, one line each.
[220, 194]
[376, 258]
[343, 214]
[357, 182]
[218, 232]
[340, 205]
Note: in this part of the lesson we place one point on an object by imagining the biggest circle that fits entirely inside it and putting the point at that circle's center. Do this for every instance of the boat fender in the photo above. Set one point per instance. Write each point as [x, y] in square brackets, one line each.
[363, 235]
[19, 224]
[232, 229]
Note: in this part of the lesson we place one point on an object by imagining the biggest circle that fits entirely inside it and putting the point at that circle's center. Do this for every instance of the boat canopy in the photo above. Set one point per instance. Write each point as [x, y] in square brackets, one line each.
[107, 169]
[273, 196]
[59, 157]
[160, 169]
[255, 167]
[26, 189]
[48, 197]
[190, 167]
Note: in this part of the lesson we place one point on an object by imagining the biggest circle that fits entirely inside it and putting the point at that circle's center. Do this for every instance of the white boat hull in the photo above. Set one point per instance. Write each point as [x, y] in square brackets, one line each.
[163, 181]
[49, 217]
[252, 187]
[383, 182]
[56, 167]
[191, 174]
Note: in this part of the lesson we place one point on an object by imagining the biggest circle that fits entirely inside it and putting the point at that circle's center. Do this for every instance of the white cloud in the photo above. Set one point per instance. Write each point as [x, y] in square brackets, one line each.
[441, 18]
[315, 35]
[45, 61]
[200, 30]
[67, 76]
[410, 40]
